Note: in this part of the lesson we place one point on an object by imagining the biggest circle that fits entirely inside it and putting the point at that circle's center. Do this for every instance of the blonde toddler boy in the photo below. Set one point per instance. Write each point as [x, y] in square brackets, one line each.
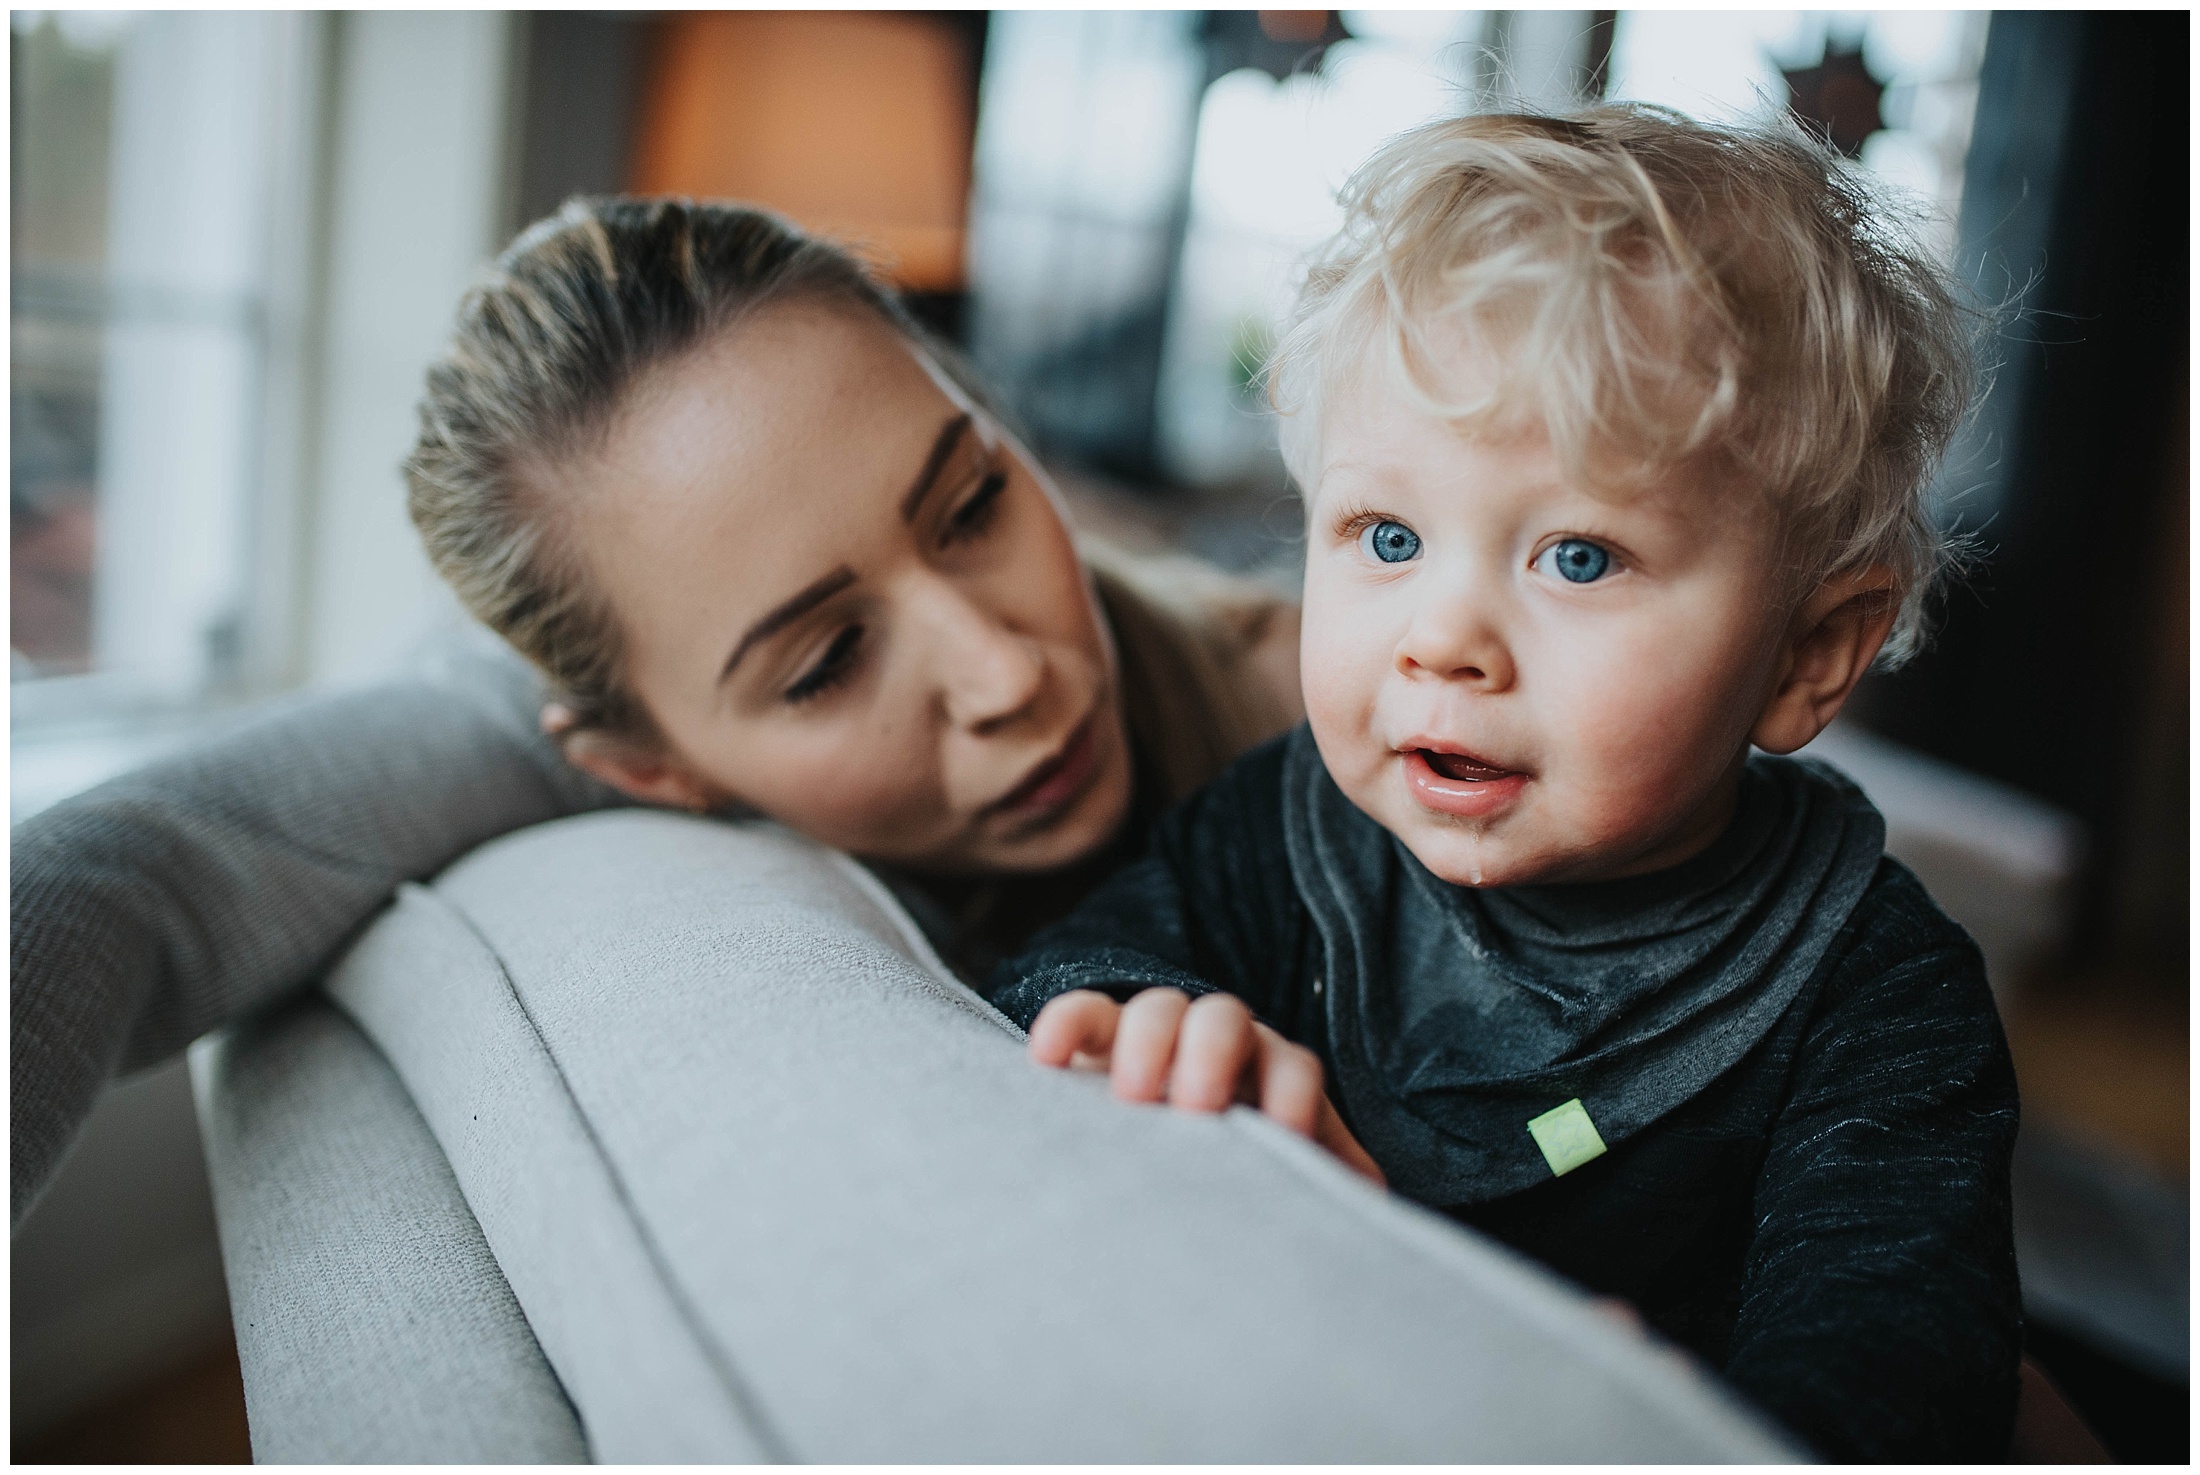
[1614, 432]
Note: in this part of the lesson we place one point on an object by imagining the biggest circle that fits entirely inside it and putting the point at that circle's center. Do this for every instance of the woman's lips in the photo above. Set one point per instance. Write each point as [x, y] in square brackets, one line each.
[1460, 785]
[1056, 781]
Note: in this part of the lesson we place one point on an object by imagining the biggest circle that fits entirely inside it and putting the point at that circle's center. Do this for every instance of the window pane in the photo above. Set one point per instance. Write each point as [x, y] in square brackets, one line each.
[141, 166]
[1896, 89]
[62, 73]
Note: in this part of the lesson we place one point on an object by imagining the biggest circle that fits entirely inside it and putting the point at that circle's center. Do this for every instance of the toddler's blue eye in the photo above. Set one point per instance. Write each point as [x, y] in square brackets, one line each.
[1392, 542]
[1577, 560]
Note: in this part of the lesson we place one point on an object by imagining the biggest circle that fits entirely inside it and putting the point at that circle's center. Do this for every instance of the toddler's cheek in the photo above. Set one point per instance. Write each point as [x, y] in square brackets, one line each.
[1652, 741]
[1340, 727]
[1630, 787]
[1339, 672]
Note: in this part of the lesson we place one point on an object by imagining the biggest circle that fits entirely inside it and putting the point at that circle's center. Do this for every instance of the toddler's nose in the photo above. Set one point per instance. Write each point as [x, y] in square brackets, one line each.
[1453, 641]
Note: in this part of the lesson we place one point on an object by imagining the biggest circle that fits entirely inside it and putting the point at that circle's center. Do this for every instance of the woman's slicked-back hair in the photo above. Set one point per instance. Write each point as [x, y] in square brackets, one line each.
[547, 348]
[1650, 291]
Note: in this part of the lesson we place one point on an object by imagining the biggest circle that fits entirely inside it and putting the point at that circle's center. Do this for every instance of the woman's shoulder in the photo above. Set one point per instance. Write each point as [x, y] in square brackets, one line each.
[1209, 659]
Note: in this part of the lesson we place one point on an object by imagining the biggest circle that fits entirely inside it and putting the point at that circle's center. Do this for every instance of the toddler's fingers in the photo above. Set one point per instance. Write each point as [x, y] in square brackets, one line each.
[1213, 1049]
[1289, 1080]
[1331, 1132]
[1145, 1043]
[1079, 1023]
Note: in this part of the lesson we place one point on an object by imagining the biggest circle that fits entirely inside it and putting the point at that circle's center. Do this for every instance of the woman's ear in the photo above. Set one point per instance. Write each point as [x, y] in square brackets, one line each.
[1834, 639]
[638, 767]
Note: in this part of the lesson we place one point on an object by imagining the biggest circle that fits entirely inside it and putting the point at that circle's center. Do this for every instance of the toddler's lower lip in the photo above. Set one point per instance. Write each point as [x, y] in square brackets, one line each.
[1469, 790]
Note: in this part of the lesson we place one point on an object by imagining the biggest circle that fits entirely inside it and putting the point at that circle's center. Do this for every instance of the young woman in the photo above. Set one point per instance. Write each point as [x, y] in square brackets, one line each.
[771, 553]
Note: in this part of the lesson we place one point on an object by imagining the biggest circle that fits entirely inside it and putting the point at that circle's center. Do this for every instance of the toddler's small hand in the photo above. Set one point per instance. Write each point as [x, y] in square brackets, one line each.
[1196, 1054]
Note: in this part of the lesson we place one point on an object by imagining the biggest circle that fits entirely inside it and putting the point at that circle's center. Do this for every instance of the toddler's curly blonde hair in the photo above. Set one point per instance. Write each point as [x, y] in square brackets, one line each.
[1657, 291]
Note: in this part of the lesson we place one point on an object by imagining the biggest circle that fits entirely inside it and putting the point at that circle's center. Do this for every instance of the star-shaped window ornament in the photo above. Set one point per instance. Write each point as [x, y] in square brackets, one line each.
[1838, 99]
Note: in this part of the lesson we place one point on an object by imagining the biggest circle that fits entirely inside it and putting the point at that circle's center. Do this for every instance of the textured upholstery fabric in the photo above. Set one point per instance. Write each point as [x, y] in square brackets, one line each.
[372, 1323]
[768, 1182]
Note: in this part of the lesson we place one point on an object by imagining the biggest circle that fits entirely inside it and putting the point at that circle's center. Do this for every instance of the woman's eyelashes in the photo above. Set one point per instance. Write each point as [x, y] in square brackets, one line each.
[831, 669]
[977, 511]
[970, 519]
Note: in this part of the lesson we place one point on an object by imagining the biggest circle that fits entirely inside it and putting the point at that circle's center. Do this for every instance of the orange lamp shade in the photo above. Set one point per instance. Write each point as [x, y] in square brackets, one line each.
[856, 124]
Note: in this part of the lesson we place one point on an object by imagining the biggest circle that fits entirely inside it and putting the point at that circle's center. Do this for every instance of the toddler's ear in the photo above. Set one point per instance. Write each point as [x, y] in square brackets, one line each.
[640, 769]
[1830, 645]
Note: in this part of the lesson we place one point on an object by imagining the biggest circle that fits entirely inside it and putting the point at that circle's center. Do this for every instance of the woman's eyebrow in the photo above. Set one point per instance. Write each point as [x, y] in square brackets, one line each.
[786, 613]
[950, 436]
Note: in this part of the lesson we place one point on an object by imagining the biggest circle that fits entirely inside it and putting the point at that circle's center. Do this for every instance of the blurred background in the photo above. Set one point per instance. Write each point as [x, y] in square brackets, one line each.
[237, 239]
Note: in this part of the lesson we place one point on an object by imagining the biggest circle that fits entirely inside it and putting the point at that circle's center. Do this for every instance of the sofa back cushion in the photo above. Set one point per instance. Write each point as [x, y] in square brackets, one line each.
[768, 1182]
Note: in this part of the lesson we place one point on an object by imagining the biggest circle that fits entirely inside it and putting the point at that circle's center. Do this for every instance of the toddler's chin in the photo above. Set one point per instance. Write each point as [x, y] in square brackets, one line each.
[1466, 859]
[1508, 852]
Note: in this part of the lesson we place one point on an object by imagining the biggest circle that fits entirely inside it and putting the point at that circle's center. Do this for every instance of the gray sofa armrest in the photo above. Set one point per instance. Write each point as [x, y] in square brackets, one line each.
[373, 1325]
[766, 1181]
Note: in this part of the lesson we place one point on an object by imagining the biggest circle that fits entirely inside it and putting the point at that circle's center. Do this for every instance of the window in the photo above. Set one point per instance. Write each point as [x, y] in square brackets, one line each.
[154, 164]
[1084, 125]
[1896, 89]
[62, 79]
[1269, 159]
[1124, 292]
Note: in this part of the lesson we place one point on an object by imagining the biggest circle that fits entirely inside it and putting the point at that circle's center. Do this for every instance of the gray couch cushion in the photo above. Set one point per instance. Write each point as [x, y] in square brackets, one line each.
[372, 1322]
[769, 1182]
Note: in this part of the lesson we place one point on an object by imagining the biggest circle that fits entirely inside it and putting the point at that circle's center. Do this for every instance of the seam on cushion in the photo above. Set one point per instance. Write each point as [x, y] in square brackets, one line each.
[1437, 1242]
[737, 1388]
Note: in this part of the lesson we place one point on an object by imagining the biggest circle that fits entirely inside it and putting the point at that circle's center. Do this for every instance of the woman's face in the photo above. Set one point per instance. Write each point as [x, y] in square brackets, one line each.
[850, 602]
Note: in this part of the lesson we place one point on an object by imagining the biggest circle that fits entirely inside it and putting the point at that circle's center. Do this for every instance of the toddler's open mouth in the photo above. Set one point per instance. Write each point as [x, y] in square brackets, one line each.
[1461, 767]
[1460, 785]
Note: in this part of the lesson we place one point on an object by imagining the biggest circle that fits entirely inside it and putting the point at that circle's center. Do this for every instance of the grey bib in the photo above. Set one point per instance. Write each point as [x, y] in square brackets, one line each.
[1459, 1015]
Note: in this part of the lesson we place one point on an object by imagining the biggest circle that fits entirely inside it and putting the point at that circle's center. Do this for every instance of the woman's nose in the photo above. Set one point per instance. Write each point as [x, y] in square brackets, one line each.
[989, 672]
[1451, 637]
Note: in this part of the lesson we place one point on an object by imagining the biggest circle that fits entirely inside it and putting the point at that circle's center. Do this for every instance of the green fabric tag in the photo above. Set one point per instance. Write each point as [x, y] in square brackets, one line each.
[1567, 1136]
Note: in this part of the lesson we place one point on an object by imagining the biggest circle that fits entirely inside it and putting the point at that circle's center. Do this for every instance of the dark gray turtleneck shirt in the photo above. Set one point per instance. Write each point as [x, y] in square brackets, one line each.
[1771, 1102]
